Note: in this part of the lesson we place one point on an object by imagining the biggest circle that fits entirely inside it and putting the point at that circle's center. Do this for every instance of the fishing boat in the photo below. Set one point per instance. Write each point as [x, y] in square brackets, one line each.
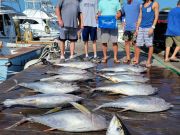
[13, 55]
[40, 14]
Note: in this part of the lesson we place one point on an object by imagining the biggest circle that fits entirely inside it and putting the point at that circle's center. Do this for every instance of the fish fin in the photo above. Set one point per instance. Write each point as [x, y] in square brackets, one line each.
[18, 123]
[53, 110]
[81, 108]
[49, 129]
[123, 110]
[13, 87]
[112, 93]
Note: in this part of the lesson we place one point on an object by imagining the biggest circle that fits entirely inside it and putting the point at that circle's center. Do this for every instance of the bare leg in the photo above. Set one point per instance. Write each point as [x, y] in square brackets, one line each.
[175, 52]
[94, 49]
[62, 47]
[72, 47]
[150, 53]
[138, 50]
[167, 54]
[104, 48]
[127, 49]
[115, 49]
[86, 48]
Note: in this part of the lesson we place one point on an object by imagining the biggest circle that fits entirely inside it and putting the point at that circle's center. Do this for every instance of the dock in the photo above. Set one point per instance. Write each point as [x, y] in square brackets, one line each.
[164, 76]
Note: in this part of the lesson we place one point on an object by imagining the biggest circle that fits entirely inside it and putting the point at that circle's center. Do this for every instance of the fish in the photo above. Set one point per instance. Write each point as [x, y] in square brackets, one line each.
[125, 68]
[68, 77]
[128, 89]
[81, 65]
[123, 73]
[69, 120]
[115, 127]
[124, 78]
[139, 104]
[42, 100]
[51, 87]
[65, 70]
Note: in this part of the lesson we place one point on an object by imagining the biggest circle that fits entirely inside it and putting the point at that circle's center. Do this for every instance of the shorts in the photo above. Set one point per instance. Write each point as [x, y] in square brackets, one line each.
[129, 36]
[109, 35]
[67, 33]
[143, 38]
[89, 31]
[172, 39]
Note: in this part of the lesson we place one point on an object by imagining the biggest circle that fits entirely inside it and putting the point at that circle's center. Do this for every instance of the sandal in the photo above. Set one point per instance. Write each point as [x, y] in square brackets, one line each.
[116, 61]
[104, 60]
[126, 61]
[148, 65]
[134, 62]
[174, 60]
[166, 60]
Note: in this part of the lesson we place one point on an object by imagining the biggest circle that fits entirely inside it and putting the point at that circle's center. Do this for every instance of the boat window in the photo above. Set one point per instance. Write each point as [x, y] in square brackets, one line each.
[7, 20]
[29, 21]
[1, 23]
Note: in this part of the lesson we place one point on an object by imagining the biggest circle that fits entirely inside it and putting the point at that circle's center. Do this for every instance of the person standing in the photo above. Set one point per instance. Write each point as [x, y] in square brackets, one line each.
[88, 9]
[173, 33]
[148, 17]
[109, 8]
[130, 11]
[67, 12]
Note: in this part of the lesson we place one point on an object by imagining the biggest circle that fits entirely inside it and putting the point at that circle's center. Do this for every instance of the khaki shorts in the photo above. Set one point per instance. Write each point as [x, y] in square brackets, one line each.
[171, 40]
[108, 35]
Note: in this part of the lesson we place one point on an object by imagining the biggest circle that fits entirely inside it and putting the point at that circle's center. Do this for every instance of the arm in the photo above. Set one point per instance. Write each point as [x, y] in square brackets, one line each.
[59, 18]
[156, 11]
[139, 19]
[81, 20]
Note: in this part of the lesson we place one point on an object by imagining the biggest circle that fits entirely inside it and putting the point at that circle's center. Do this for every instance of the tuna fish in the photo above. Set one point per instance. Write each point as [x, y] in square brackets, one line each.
[128, 89]
[115, 127]
[51, 87]
[43, 100]
[139, 104]
[66, 70]
[123, 68]
[68, 77]
[69, 120]
[81, 65]
[124, 78]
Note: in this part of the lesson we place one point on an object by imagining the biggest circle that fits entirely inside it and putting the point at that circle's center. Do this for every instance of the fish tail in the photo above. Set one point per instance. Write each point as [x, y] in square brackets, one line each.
[19, 123]
[97, 108]
[13, 87]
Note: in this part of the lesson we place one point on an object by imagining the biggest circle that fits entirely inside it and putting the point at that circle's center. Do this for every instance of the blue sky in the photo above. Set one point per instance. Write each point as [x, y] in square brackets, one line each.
[163, 3]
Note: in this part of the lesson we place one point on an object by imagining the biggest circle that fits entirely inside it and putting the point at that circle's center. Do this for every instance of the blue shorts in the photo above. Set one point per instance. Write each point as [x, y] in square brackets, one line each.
[92, 31]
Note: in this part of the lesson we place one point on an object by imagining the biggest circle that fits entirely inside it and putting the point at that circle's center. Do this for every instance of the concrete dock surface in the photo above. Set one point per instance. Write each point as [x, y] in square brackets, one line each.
[162, 123]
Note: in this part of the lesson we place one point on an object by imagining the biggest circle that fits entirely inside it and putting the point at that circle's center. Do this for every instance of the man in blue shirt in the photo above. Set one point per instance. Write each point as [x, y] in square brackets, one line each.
[131, 12]
[173, 33]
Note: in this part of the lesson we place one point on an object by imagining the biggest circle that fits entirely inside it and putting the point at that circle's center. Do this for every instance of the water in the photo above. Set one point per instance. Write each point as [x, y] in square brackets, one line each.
[162, 123]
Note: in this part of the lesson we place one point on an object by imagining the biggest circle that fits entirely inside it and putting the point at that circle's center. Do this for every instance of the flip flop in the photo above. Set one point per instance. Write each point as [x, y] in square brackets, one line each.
[116, 61]
[148, 65]
[126, 61]
[174, 60]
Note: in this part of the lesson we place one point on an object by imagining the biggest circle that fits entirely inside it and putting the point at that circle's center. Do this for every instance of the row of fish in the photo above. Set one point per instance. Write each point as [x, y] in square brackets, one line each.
[128, 81]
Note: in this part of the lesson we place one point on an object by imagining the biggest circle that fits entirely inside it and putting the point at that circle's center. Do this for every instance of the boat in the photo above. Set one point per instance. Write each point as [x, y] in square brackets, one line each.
[13, 54]
[40, 14]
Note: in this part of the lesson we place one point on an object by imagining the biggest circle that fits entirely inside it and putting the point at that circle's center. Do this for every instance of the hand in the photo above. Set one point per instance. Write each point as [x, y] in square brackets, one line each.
[136, 32]
[82, 26]
[61, 23]
[151, 31]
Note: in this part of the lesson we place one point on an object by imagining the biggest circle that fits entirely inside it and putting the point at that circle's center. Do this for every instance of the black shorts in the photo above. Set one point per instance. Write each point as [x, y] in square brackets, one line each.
[129, 36]
[89, 31]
